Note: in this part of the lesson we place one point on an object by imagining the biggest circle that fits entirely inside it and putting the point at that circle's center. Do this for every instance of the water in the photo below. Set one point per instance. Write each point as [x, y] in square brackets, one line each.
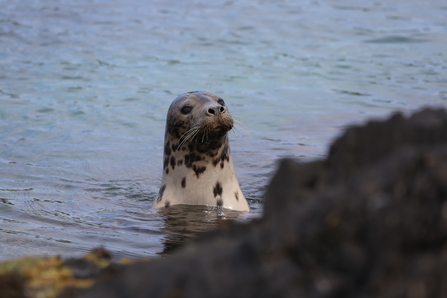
[85, 86]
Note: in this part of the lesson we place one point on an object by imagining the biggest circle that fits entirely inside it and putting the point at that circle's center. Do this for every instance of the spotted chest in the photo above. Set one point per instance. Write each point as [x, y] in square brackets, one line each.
[192, 171]
[175, 156]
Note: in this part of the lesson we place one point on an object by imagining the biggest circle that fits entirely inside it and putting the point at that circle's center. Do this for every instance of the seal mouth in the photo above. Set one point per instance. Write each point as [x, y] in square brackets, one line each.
[209, 133]
[218, 132]
[218, 128]
[206, 135]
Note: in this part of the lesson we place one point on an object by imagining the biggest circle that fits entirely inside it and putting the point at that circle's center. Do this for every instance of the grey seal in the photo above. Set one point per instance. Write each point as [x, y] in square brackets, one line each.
[197, 167]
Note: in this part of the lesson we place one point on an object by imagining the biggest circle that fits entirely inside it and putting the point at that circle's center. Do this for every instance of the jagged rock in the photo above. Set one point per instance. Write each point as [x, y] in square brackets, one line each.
[369, 221]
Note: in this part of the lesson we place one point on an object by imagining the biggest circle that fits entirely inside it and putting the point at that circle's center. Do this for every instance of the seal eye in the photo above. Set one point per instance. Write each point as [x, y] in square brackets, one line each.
[221, 102]
[186, 110]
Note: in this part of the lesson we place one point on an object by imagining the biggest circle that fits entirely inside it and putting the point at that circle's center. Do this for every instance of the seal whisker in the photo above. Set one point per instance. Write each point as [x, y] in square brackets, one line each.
[240, 127]
[208, 85]
[189, 132]
[204, 133]
[236, 133]
[238, 122]
[236, 118]
[179, 90]
[188, 135]
[195, 134]
[190, 138]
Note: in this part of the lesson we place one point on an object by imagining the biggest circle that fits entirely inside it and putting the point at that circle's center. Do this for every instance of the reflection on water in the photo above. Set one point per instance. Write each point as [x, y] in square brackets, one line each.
[183, 222]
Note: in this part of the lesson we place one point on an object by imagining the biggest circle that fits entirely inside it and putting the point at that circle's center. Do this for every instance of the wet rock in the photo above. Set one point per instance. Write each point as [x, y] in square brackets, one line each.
[369, 221]
[46, 277]
[12, 285]
[82, 268]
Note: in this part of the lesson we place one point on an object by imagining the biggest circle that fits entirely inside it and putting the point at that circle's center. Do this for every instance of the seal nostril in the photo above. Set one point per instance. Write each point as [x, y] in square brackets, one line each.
[222, 109]
[211, 111]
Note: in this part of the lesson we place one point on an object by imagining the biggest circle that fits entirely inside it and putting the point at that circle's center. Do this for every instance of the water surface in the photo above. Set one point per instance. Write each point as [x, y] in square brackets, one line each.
[85, 86]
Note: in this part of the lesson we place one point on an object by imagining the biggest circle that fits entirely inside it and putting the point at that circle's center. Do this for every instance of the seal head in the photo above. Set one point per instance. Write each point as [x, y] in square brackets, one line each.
[197, 166]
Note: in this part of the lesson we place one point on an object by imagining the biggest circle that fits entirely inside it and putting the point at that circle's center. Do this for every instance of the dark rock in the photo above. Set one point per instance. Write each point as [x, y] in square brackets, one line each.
[12, 285]
[369, 221]
[360, 146]
[82, 268]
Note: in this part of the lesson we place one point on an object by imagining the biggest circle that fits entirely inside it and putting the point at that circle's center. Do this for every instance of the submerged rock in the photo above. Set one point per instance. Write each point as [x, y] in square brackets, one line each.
[368, 221]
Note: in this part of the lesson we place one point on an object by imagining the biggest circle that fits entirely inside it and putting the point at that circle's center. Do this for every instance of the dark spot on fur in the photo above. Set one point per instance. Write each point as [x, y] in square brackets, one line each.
[160, 193]
[236, 195]
[167, 204]
[184, 182]
[174, 126]
[212, 153]
[167, 148]
[225, 154]
[188, 162]
[174, 147]
[166, 162]
[173, 162]
[180, 162]
[191, 158]
[162, 189]
[217, 190]
[191, 146]
[219, 202]
[212, 144]
[198, 170]
[167, 171]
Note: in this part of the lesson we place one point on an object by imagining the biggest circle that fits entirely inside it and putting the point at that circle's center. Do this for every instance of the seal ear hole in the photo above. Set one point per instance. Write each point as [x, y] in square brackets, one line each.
[186, 110]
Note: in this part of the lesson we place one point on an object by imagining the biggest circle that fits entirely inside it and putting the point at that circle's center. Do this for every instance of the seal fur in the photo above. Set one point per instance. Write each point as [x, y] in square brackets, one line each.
[197, 166]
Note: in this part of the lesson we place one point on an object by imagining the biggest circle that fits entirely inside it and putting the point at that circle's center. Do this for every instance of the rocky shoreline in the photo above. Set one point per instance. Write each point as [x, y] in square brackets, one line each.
[368, 221]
